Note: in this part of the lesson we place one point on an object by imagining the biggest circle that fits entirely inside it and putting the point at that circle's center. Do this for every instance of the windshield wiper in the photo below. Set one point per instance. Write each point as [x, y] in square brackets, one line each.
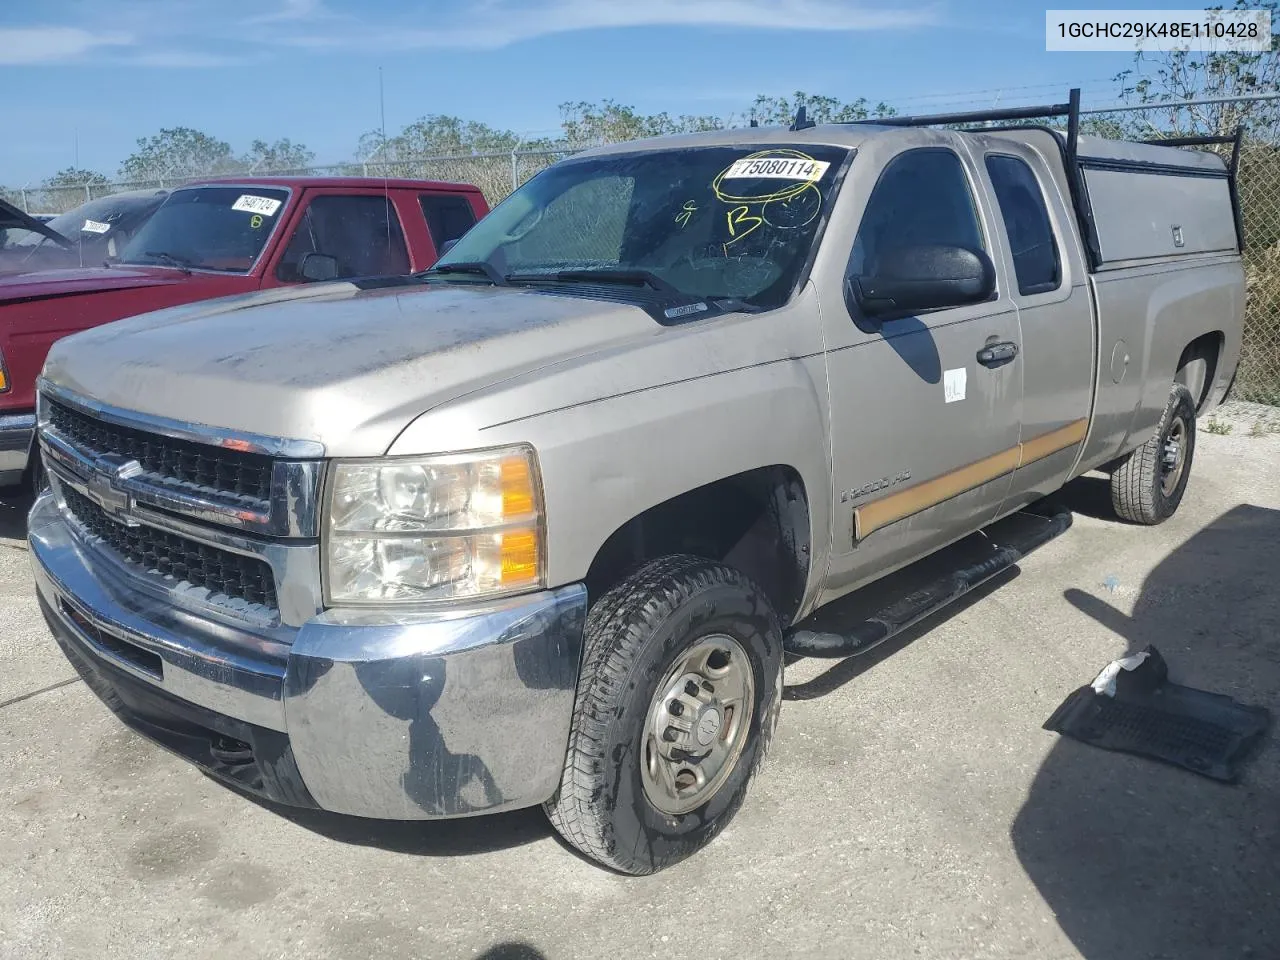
[165, 257]
[728, 304]
[632, 277]
[480, 267]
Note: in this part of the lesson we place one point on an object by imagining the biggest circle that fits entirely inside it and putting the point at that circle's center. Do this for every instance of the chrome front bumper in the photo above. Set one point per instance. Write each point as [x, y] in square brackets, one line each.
[400, 716]
[16, 431]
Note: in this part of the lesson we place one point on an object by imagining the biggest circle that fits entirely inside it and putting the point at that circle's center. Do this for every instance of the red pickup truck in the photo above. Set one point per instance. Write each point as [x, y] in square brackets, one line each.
[215, 238]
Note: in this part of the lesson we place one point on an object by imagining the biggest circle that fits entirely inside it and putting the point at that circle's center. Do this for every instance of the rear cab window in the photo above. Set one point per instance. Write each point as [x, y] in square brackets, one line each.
[1037, 262]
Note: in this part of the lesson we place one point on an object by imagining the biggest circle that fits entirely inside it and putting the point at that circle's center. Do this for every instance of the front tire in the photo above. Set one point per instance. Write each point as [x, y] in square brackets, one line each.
[1148, 486]
[677, 700]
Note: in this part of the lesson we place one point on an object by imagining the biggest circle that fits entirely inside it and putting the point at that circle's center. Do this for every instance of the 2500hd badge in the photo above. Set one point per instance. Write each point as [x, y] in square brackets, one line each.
[857, 493]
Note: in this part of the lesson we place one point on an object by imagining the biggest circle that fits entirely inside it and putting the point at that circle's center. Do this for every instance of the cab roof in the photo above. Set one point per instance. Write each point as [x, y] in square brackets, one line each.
[829, 134]
[301, 182]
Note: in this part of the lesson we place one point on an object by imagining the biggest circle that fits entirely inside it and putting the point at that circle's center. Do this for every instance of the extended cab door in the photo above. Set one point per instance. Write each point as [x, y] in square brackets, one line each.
[924, 432]
[1048, 284]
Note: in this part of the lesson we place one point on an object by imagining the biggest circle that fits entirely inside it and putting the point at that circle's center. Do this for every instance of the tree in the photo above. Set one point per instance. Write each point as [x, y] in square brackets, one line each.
[436, 135]
[1189, 75]
[780, 111]
[282, 155]
[612, 122]
[178, 152]
[76, 177]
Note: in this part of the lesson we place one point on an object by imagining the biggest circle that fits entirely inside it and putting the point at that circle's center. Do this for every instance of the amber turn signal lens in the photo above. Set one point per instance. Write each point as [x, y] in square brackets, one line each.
[517, 488]
[519, 557]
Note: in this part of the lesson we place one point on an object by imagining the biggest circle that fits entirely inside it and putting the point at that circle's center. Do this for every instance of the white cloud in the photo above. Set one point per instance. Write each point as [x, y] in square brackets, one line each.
[294, 11]
[51, 44]
[492, 24]
[195, 33]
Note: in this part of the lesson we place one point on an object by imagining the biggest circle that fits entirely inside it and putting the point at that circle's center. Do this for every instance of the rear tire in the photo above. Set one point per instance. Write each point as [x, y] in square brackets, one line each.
[1148, 485]
[677, 700]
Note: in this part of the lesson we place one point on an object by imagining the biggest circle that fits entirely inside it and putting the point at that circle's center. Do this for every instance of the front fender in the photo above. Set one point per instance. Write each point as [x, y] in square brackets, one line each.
[606, 461]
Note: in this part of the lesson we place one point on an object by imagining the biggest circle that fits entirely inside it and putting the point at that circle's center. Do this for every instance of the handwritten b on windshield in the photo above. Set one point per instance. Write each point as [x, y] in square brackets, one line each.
[741, 223]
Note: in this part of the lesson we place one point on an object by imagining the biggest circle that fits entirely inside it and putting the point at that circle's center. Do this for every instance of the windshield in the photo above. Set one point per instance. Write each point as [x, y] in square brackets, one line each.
[104, 217]
[209, 228]
[713, 222]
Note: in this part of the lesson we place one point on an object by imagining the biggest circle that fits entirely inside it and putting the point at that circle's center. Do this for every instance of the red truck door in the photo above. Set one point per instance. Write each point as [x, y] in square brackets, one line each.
[357, 232]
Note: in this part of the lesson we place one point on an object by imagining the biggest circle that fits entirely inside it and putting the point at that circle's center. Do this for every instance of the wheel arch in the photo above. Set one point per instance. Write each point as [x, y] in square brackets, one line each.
[1197, 367]
[757, 521]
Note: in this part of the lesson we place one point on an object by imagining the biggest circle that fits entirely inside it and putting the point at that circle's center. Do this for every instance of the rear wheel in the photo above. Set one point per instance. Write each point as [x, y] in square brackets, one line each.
[1147, 487]
[677, 700]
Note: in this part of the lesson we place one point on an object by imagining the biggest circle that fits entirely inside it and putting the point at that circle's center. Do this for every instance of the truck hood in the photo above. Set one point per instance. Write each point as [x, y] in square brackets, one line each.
[330, 362]
[62, 283]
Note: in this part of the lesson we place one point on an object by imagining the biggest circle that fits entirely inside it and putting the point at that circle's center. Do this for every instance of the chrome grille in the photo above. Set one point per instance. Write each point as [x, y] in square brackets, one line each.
[219, 571]
[235, 472]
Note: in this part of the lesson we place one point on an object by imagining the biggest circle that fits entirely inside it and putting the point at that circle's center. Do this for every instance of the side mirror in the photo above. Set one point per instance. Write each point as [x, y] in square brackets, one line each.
[908, 280]
[448, 245]
[318, 267]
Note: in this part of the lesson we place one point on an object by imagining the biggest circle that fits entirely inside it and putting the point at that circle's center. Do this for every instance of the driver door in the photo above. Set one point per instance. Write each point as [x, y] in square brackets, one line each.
[924, 435]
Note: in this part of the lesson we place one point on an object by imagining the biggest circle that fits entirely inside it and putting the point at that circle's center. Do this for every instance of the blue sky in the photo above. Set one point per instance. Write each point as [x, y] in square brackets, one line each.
[106, 72]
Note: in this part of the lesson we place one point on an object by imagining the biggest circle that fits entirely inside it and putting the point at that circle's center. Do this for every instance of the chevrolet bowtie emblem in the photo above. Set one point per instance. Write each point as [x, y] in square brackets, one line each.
[104, 488]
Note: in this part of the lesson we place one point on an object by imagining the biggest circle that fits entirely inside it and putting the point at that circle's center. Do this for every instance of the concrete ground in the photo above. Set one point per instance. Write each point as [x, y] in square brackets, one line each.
[913, 805]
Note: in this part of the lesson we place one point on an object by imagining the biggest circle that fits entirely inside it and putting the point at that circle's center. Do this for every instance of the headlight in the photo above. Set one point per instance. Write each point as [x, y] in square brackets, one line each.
[434, 528]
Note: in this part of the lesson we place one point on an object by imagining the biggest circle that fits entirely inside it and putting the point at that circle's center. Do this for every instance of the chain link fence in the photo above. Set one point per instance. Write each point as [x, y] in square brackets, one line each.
[497, 174]
[1259, 375]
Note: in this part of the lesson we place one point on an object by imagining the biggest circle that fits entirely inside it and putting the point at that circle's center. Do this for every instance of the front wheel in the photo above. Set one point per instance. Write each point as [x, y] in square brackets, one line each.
[677, 700]
[1148, 486]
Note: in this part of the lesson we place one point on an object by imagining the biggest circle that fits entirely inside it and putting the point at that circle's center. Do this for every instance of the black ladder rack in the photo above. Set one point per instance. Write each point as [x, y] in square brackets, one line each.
[1072, 161]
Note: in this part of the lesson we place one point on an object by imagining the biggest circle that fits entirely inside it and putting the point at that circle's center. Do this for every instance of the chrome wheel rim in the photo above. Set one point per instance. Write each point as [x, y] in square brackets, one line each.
[1173, 458]
[697, 724]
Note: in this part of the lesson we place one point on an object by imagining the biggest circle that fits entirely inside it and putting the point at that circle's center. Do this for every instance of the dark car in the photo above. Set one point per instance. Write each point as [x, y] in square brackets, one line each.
[83, 237]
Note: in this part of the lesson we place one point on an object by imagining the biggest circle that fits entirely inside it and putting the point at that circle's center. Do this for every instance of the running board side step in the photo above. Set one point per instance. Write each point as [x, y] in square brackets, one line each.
[868, 617]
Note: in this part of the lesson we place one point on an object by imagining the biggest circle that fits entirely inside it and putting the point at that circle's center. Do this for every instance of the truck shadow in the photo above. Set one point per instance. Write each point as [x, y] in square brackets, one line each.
[850, 668]
[1138, 859]
[1090, 496]
[422, 838]
[512, 950]
[14, 506]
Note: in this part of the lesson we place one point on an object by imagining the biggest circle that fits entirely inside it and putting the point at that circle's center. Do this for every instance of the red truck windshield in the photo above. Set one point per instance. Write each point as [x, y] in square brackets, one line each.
[209, 228]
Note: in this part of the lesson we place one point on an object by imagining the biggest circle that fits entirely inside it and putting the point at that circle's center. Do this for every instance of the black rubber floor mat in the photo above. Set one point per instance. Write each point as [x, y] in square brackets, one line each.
[1207, 733]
